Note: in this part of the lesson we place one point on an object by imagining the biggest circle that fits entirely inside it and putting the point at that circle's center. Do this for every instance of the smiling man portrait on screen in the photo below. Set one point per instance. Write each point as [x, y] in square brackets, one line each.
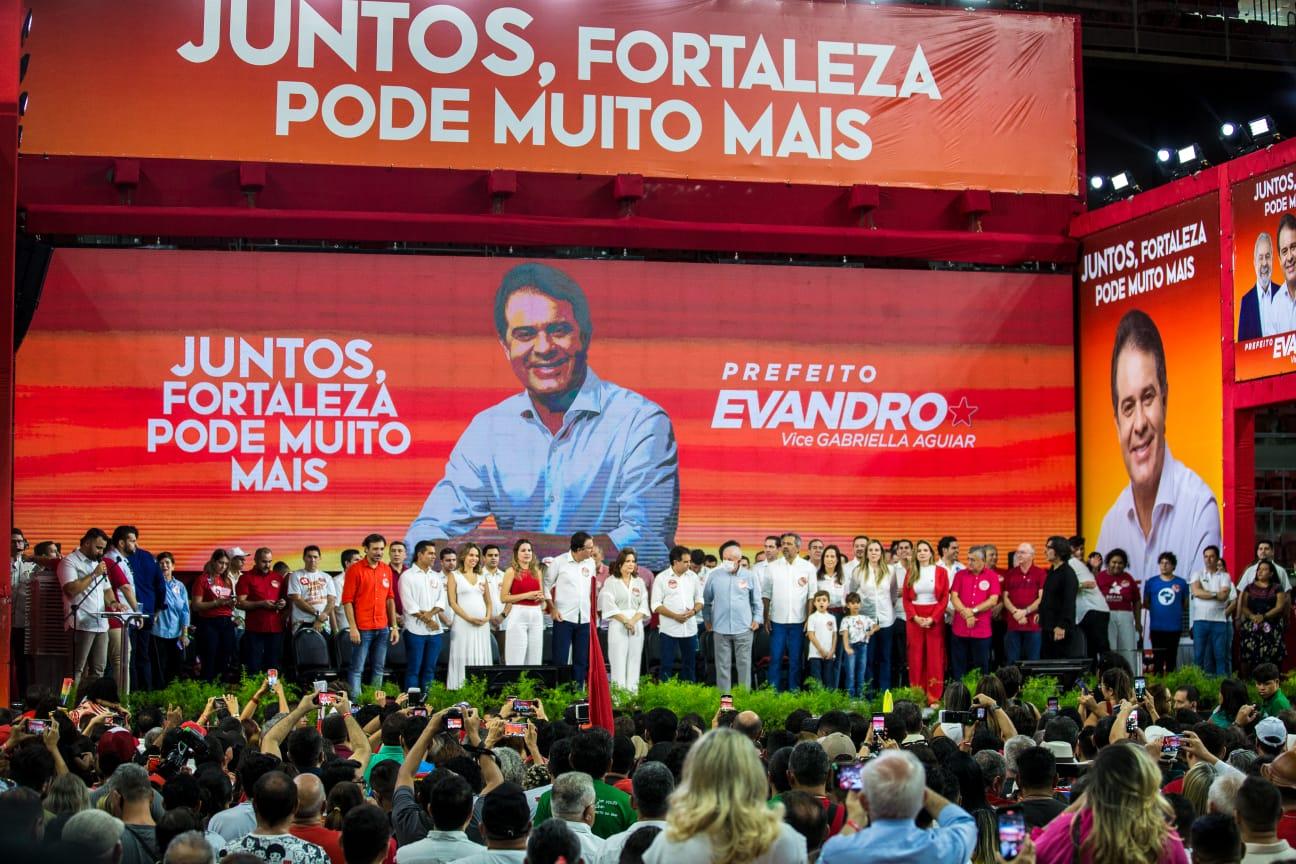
[571, 452]
[1166, 507]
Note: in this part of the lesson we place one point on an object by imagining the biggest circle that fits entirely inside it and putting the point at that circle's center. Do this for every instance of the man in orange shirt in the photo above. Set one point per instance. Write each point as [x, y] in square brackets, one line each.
[368, 600]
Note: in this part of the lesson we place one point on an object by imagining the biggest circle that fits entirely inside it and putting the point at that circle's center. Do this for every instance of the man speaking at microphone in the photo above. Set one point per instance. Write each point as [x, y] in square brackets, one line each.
[572, 452]
[84, 579]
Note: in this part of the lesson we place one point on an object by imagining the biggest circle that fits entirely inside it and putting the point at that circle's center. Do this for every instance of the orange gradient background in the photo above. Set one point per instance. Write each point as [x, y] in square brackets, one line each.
[1253, 358]
[1187, 316]
[112, 322]
[106, 79]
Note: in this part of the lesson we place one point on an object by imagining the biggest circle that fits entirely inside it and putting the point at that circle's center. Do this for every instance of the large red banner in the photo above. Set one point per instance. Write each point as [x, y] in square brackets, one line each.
[282, 399]
[760, 90]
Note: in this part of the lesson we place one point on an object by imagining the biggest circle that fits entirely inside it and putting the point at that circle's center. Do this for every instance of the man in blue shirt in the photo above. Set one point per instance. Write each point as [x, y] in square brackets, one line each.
[731, 608]
[150, 594]
[894, 791]
[572, 452]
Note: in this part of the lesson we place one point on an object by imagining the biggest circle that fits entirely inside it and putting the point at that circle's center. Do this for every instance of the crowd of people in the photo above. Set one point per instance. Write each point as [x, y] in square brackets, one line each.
[1132, 774]
[901, 613]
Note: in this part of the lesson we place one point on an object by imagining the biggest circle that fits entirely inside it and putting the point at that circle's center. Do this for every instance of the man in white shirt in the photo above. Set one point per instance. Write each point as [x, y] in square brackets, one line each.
[568, 579]
[494, 577]
[789, 584]
[311, 593]
[859, 548]
[1166, 507]
[451, 806]
[1092, 615]
[1212, 593]
[677, 601]
[573, 802]
[86, 593]
[651, 788]
[424, 606]
[1264, 552]
[348, 557]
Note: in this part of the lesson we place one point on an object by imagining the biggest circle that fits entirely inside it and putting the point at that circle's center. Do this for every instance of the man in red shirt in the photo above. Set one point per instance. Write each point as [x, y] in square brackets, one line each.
[1023, 589]
[369, 603]
[308, 821]
[263, 595]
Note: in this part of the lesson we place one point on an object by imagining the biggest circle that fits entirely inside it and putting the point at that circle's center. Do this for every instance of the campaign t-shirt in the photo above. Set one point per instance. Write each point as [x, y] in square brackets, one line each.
[824, 627]
[1121, 591]
[1164, 599]
[1022, 589]
[315, 588]
[973, 589]
[256, 586]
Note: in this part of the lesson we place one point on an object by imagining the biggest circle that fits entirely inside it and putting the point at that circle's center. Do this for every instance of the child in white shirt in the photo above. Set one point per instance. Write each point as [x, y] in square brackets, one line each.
[856, 630]
[821, 632]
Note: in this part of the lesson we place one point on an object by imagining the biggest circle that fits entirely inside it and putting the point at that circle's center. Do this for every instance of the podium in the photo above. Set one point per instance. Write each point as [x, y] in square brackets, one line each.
[121, 674]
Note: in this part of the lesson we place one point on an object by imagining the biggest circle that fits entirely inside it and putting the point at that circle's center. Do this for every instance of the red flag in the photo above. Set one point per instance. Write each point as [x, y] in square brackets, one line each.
[597, 690]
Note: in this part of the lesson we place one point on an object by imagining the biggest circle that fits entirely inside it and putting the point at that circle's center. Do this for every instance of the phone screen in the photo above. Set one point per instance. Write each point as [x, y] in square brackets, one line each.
[1132, 723]
[515, 730]
[726, 702]
[415, 696]
[1170, 745]
[980, 712]
[879, 724]
[582, 712]
[453, 723]
[524, 707]
[272, 677]
[37, 727]
[848, 776]
[1012, 833]
[1053, 704]
[321, 686]
[1140, 686]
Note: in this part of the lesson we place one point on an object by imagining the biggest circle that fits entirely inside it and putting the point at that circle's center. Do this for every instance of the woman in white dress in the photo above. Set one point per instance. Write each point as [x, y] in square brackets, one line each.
[470, 633]
[623, 604]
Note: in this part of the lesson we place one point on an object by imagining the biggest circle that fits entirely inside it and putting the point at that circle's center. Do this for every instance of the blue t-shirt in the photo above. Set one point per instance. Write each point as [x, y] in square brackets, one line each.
[1165, 602]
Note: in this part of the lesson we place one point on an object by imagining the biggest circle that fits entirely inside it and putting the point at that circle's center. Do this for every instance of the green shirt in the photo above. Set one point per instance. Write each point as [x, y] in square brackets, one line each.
[1274, 706]
[386, 753]
[612, 811]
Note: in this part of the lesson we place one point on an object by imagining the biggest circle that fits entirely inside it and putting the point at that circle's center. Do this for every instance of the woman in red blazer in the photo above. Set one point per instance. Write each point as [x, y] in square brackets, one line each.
[926, 594]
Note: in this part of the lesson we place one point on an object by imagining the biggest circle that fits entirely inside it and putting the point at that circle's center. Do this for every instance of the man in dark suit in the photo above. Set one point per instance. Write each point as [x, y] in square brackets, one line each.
[1251, 320]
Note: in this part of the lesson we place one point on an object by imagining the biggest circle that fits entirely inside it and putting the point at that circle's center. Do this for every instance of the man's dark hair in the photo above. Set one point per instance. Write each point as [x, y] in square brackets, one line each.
[795, 718]
[910, 714]
[1265, 672]
[591, 752]
[552, 841]
[465, 766]
[21, 813]
[725, 545]
[312, 548]
[335, 771]
[1216, 840]
[943, 544]
[1036, 768]
[274, 797]
[1259, 805]
[1062, 729]
[450, 801]
[182, 790]
[637, 845]
[252, 766]
[1262, 541]
[304, 747]
[174, 822]
[578, 541]
[809, 764]
[446, 552]
[679, 553]
[94, 534]
[697, 557]
[834, 721]
[1211, 548]
[1190, 691]
[371, 539]
[778, 769]
[653, 784]
[348, 555]
[334, 729]
[393, 725]
[1116, 553]
[807, 816]
[215, 786]
[623, 755]
[121, 532]
[366, 834]
[423, 544]
[382, 779]
[549, 281]
[1137, 330]
[1169, 556]
[31, 765]
[660, 725]
[984, 739]
[560, 755]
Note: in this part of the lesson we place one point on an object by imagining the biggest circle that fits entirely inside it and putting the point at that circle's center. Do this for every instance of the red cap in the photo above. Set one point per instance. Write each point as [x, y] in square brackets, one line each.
[118, 743]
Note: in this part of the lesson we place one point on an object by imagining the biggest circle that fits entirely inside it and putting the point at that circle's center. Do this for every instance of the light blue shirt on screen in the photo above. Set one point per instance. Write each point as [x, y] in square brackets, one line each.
[894, 840]
[731, 601]
[613, 469]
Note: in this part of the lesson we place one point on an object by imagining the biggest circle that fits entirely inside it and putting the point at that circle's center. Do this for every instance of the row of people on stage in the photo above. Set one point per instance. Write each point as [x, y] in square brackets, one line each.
[909, 612]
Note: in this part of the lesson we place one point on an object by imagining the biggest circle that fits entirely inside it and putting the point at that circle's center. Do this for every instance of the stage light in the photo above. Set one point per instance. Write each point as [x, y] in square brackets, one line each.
[1181, 161]
[1227, 130]
[1096, 182]
[1123, 185]
[1163, 155]
[1262, 130]
[1236, 139]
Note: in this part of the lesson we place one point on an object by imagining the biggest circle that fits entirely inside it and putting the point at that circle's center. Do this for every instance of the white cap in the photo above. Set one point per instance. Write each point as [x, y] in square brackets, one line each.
[237, 552]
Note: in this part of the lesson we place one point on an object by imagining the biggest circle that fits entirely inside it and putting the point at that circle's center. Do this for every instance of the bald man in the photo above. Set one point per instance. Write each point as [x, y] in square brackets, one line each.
[749, 724]
[191, 847]
[1023, 591]
[308, 821]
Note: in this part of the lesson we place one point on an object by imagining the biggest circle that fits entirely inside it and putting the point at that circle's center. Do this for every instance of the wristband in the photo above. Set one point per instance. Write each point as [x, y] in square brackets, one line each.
[854, 826]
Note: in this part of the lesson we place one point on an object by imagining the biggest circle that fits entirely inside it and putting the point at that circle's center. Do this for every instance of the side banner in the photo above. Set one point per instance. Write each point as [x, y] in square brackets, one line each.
[1264, 275]
[756, 90]
[1150, 393]
[283, 399]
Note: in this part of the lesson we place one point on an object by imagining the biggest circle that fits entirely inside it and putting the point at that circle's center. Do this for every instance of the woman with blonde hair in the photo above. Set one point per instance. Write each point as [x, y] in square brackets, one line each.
[1196, 787]
[470, 637]
[875, 584]
[926, 595]
[523, 586]
[1122, 817]
[719, 815]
